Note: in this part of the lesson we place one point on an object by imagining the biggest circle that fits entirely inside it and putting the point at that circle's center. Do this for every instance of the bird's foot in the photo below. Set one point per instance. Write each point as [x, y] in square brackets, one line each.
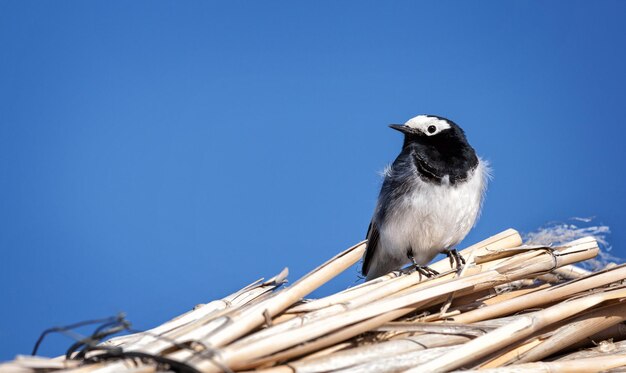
[422, 270]
[455, 259]
[425, 271]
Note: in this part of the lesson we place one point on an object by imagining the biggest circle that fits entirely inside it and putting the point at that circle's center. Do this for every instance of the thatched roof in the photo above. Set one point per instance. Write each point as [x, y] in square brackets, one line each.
[512, 308]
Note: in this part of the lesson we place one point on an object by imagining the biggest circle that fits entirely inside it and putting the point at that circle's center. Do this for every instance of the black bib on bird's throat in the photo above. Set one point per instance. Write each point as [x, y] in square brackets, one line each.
[437, 156]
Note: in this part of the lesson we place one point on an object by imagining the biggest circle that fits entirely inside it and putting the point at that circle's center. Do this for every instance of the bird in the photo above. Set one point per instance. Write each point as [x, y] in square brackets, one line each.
[430, 198]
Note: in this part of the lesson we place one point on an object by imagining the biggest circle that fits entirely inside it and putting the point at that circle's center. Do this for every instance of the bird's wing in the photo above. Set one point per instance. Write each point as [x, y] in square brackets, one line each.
[372, 243]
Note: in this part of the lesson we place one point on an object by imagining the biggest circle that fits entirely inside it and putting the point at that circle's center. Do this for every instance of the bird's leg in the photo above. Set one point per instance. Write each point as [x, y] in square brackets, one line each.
[455, 259]
[423, 270]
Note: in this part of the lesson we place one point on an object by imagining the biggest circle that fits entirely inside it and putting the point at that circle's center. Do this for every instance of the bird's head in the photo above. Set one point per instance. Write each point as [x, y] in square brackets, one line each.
[430, 130]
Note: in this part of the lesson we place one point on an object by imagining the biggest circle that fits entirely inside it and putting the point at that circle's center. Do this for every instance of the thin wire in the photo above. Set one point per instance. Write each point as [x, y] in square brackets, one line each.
[174, 365]
[207, 353]
[92, 341]
[114, 325]
[64, 329]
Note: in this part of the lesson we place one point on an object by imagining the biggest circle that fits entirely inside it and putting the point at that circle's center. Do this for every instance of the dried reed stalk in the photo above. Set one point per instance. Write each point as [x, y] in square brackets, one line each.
[520, 328]
[588, 365]
[201, 317]
[603, 348]
[399, 321]
[381, 290]
[374, 352]
[522, 265]
[585, 249]
[576, 330]
[288, 296]
[552, 294]
[503, 240]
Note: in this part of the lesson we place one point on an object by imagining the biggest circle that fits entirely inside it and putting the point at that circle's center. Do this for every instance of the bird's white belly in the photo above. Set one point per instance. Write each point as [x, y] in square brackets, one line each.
[431, 218]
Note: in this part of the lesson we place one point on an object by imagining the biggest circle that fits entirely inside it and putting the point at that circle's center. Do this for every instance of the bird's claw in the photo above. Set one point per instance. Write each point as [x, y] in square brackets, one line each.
[425, 271]
[455, 259]
[422, 270]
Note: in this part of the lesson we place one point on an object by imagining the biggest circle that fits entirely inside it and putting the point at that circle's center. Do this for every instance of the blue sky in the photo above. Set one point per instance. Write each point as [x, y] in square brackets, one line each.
[156, 155]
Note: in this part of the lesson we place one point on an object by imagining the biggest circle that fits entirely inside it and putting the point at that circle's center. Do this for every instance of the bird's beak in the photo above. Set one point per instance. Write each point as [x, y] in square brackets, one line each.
[404, 129]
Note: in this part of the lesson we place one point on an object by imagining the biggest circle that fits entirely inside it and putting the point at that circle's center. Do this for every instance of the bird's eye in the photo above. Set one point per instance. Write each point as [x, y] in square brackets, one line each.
[432, 129]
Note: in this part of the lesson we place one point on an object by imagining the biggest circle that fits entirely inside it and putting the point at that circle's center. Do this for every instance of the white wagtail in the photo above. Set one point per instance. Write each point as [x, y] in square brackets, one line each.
[429, 201]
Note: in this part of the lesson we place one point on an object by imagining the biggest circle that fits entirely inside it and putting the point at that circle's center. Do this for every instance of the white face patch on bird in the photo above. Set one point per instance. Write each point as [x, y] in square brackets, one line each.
[423, 125]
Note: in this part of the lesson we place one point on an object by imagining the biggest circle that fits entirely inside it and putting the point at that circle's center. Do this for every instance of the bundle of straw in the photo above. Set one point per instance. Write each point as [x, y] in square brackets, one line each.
[511, 308]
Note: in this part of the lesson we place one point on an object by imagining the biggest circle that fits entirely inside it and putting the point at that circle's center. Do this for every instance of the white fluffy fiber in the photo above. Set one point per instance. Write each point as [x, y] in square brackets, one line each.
[557, 233]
